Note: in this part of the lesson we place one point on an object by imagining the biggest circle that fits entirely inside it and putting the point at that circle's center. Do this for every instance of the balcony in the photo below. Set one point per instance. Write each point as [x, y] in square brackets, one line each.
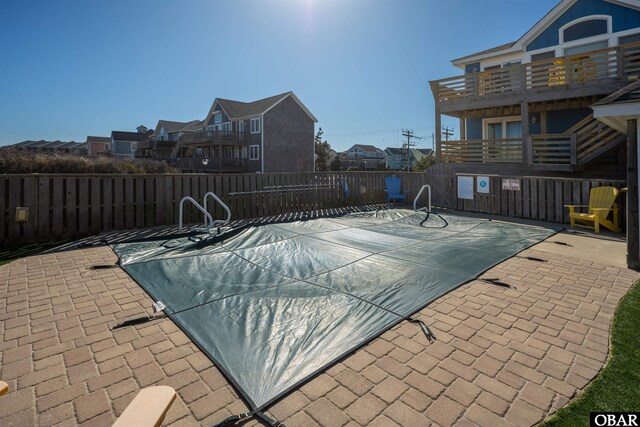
[590, 73]
[214, 137]
[567, 151]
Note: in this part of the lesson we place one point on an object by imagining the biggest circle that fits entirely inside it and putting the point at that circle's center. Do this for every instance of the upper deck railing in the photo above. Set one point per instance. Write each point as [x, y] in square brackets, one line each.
[592, 66]
[214, 136]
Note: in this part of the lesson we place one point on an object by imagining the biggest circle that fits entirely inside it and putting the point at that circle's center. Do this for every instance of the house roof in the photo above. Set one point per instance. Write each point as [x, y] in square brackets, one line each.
[629, 93]
[366, 148]
[117, 135]
[101, 139]
[172, 126]
[239, 110]
[483, 52]
[425, 151]
[534, 31]
[52, 145]
[395, 151]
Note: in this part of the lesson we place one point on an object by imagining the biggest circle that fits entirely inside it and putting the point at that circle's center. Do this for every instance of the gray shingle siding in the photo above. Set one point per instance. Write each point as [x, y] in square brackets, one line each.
[288, 139]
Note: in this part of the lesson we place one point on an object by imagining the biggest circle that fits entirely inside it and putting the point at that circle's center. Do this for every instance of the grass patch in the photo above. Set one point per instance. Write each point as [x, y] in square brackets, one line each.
[616, 388]
[11, 254]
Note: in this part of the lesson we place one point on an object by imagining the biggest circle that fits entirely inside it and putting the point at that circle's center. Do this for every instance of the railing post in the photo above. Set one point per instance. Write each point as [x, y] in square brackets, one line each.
[524, 117]
[476, 83]
[528, 159]
[574, 149]
[567, 70]
[619, 62]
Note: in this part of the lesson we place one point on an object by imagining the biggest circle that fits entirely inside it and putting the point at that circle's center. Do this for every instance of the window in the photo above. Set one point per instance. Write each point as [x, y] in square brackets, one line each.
[106, 147]
[255, 125]
[134, 147]
[503, 128]
[633, 38]
[217, 118]
[226, 127]
[544, 55]
[584, 29]
[241, 126]
[254, 152]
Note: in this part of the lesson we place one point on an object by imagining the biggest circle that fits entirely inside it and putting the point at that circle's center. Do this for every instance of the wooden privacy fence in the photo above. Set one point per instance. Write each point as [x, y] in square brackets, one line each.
[539, 198]
[70, 206]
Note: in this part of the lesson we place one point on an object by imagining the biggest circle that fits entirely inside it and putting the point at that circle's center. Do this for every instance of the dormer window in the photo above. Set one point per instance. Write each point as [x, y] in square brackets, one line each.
[217, 118]
[585, 27]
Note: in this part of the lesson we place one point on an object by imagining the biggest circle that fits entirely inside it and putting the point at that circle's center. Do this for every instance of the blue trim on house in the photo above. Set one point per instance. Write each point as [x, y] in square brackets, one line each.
[474, 128]
[623, 18]
[562, 120]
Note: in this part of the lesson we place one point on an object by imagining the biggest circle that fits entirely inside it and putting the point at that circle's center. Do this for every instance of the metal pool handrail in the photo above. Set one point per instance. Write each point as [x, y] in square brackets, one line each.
[224, 206]
[207, 215]
[428, 207]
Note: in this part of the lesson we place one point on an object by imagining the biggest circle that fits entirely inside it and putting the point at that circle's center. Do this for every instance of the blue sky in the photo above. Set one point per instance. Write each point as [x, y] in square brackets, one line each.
[69, 69]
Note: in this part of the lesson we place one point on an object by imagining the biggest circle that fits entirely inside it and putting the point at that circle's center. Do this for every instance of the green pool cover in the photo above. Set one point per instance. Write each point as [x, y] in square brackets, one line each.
[275, 304]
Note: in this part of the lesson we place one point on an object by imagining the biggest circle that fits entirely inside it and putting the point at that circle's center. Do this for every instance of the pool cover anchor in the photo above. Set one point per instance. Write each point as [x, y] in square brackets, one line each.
[497, 282]
[246, 415]
[427, 332]
[158, 307]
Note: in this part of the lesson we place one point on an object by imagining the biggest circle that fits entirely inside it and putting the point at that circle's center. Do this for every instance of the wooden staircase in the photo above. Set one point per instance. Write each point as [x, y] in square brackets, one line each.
[593, 139]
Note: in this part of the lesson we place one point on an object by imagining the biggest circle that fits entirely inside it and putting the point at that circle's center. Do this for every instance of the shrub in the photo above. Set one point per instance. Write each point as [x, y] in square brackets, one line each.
[21, 161]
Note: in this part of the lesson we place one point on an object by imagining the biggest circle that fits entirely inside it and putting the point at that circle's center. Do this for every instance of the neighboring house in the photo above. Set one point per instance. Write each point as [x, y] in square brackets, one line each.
[419, 153]
[396, 159]
[524, 107]
[271, 135]
[125, 144]
[59, 147]
[162, 143]
[362, 156]
[400, 158]
[98, 145]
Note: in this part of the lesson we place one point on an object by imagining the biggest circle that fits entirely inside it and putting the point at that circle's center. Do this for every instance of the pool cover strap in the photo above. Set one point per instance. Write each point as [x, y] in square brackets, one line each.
[427, 332]
[235, 418]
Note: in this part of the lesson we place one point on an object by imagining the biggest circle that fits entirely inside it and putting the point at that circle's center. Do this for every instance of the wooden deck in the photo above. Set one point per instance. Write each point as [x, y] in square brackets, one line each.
[584, 74]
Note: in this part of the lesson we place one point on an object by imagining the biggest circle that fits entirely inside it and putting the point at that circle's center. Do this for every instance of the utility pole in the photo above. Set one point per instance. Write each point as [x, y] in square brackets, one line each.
[409, 134]
[447, 132]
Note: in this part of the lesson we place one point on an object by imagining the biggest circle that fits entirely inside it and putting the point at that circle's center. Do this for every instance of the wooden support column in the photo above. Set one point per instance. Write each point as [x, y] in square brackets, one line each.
[526, 142]
[438, 135]
[463, 128]
[633, 230]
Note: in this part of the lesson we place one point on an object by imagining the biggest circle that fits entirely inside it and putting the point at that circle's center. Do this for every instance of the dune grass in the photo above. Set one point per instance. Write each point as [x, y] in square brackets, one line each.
[617, 387]
[17, 161]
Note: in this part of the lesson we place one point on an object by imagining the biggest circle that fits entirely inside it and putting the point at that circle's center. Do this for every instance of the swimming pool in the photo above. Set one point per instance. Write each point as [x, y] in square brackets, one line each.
[273, 305]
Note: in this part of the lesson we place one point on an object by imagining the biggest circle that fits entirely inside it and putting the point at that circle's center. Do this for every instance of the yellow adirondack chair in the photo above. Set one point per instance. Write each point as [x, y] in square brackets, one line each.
[601, 202]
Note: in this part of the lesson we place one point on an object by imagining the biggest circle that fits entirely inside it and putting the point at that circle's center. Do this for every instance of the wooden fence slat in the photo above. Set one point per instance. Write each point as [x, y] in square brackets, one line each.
[15, 192]
[96, 202]
[107, 204]
[30, 200]
[58, 207]
[83, 206]
[71, 204]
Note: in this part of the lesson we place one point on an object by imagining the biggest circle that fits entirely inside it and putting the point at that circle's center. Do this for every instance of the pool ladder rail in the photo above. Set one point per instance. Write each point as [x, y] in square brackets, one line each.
[209, 222]
[415, 201]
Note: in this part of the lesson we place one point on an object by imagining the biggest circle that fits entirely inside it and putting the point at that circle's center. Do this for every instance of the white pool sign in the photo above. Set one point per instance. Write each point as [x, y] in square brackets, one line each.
[465, 187]
[482, 184]
[511, 184]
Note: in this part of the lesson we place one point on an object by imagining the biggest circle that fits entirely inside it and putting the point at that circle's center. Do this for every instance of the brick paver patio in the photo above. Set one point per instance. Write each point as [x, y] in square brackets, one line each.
[502, 356]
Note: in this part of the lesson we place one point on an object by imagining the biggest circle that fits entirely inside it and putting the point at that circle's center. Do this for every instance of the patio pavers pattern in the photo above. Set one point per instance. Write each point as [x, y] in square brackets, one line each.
[502, 356]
